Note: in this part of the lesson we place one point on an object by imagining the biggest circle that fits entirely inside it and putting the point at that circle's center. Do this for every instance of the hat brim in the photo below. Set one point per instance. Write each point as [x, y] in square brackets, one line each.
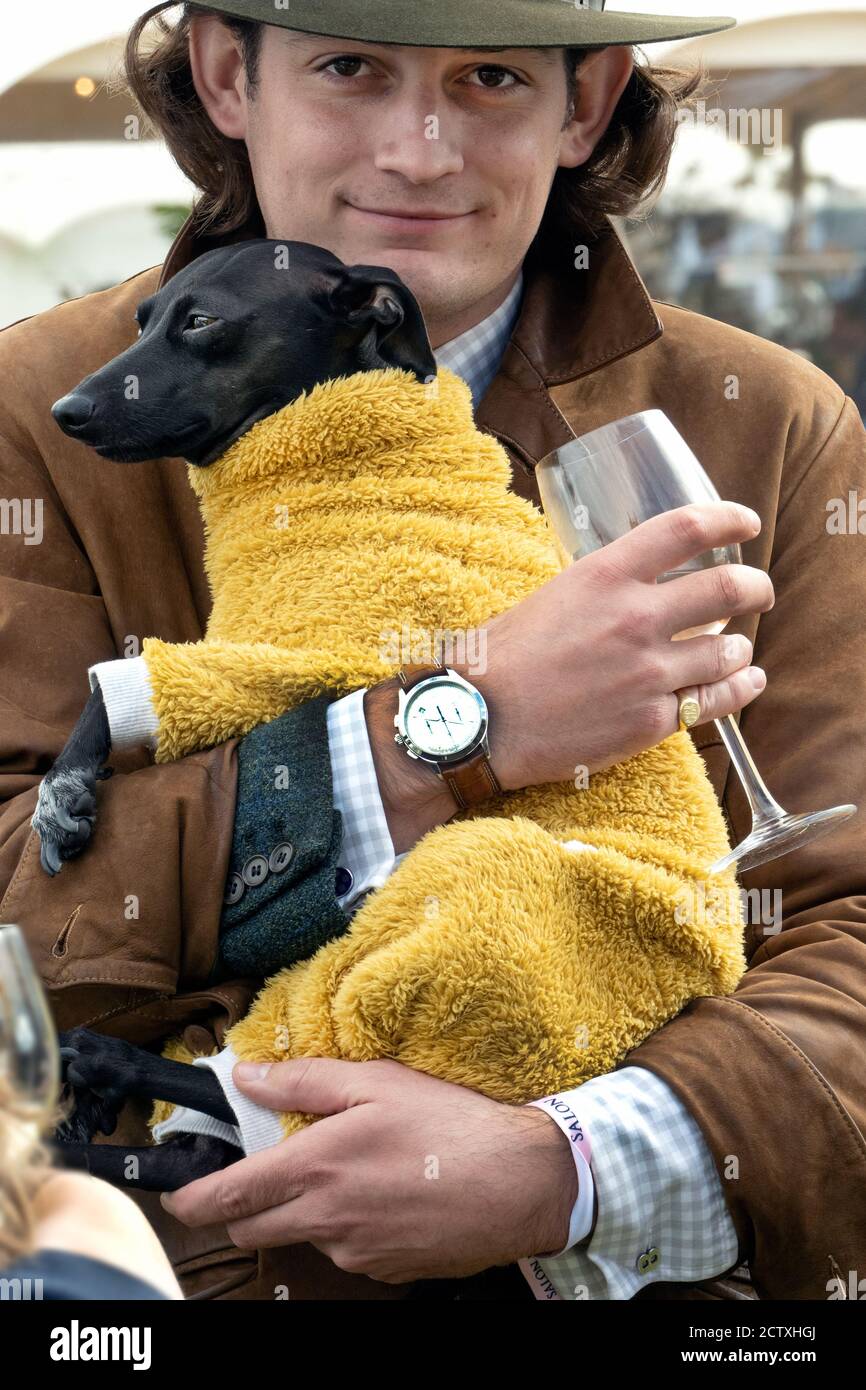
[482, 24]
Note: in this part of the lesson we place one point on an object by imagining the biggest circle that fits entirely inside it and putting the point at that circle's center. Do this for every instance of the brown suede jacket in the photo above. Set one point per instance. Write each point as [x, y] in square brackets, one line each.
[775, 1074]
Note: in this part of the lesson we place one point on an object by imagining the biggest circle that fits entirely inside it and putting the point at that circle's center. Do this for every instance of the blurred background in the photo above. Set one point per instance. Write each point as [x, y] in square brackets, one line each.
[762, 222]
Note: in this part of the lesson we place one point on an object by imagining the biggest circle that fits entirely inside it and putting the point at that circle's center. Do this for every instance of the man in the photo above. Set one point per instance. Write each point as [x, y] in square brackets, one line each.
[732, 1137]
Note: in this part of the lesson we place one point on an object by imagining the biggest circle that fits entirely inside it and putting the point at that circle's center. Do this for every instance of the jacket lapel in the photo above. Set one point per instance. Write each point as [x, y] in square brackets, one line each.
[572, 322]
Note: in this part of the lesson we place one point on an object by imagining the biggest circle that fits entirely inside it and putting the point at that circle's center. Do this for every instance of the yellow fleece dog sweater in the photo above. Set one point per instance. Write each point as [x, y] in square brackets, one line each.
[493, 957]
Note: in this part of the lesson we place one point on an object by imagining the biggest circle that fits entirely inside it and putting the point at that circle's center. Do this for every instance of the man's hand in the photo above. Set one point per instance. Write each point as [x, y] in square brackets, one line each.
[583, 672]
[407, 1177]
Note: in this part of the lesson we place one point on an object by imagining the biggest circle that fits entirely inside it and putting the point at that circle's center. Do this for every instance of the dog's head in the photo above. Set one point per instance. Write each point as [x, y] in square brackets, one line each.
[234, 337]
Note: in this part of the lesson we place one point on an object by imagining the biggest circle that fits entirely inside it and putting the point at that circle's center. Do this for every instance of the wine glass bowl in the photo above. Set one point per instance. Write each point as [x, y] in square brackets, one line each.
[597, 488]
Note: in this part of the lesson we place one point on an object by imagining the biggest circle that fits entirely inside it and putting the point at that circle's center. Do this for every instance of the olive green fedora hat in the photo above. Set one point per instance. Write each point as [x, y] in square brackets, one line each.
[472, 23]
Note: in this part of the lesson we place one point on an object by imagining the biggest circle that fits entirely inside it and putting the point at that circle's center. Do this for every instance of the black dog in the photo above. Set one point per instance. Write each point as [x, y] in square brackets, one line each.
[230, 340]
[100, 1075]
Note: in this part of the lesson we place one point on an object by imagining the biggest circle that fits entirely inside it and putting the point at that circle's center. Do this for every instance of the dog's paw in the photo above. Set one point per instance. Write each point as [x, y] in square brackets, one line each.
[64, 815]
[89, 1114]
[96, 1073]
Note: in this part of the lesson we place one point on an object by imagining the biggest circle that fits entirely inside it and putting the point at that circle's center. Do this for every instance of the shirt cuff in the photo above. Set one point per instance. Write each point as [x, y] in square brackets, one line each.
[564, 1116]
[128, 699]
[662, 1215]
[367, 851]
[257, 1127]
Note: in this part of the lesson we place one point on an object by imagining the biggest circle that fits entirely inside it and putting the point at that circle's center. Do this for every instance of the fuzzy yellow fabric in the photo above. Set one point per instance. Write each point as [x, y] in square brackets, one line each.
[494, 956]
[369, 503]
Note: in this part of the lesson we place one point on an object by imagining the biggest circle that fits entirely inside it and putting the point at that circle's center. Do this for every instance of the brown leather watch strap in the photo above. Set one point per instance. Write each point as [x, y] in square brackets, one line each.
[413, 674]
[471, 781]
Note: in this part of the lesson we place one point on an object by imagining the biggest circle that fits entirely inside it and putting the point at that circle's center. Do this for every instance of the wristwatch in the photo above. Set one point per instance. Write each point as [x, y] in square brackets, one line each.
[443, 720]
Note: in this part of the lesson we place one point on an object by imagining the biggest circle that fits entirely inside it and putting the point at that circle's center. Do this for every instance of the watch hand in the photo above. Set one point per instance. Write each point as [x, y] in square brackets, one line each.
[446, 722]
[442, 720]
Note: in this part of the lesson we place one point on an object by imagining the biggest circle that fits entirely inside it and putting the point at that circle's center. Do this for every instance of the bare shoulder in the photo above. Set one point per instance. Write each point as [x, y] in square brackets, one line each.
[83, 1215]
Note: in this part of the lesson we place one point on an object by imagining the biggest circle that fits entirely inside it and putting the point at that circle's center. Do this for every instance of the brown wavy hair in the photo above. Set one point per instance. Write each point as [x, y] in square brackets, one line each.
[627, 167]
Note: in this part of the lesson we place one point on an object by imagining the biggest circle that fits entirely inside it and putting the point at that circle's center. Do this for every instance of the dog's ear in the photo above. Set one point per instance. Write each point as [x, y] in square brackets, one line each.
[373, 296]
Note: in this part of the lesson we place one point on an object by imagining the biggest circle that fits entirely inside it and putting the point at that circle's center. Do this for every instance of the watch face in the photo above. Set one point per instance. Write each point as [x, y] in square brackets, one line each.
[443, 719]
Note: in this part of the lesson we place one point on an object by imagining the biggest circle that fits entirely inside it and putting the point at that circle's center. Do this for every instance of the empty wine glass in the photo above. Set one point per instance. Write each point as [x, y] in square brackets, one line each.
[29, 1054]
[599, 487]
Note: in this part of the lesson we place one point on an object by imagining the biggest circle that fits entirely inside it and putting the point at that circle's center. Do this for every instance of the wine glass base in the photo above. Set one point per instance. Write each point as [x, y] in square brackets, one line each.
[778, 836]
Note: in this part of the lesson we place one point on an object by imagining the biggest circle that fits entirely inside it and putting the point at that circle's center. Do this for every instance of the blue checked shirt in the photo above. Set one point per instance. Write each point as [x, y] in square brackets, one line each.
[661, 1208]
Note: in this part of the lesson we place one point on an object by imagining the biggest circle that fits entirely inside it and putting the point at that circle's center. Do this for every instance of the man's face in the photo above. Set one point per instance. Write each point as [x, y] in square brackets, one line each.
[341, 134]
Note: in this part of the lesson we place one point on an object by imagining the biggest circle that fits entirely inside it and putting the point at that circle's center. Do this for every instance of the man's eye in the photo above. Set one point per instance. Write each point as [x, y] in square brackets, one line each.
[198, 321]
[498, 72]
[355, 59]
[341, 62]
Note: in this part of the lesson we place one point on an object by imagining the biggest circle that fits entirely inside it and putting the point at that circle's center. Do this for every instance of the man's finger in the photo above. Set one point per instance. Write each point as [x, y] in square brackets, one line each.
[673, 539]
[729, 696]
[313, 1085]
[274, 1175]
[305, 1221]
[712, 595]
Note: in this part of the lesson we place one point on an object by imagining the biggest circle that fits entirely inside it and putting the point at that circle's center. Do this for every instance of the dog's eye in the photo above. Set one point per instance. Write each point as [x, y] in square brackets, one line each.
[198, 321]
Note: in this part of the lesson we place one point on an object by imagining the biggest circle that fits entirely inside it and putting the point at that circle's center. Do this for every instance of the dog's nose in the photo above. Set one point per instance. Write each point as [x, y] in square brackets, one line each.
[73, 411]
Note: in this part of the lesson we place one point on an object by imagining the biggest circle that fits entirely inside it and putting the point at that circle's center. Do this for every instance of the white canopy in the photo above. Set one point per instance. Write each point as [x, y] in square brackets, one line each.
[769, 33]
[35, 37]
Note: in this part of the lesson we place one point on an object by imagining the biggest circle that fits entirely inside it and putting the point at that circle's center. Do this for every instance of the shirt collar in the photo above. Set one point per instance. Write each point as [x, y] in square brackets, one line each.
[476, 354]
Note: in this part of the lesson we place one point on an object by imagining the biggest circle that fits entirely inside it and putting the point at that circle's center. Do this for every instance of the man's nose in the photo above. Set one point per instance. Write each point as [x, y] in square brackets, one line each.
[73, 411]
[417, 144]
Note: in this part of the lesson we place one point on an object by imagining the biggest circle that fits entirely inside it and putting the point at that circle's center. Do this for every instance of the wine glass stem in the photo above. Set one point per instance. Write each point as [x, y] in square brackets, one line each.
[764, 806]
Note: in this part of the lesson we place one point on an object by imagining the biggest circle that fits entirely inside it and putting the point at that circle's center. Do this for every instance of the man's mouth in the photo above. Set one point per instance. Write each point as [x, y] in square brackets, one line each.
[405, 220]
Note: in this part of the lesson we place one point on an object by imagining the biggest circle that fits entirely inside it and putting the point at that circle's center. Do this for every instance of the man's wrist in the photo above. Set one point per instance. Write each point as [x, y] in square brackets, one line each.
[498, 739]
[556, 1167]
[414, 798]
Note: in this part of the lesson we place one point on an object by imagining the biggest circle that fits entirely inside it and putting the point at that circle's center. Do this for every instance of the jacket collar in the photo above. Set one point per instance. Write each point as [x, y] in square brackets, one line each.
[572, 322]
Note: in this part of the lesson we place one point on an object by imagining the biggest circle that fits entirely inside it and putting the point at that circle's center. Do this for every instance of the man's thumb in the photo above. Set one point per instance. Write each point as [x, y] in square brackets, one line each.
[248, 1073]
[312, 1085]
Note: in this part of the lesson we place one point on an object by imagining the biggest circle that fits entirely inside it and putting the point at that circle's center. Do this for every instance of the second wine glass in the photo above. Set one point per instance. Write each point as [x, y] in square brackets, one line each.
[29, 1054]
